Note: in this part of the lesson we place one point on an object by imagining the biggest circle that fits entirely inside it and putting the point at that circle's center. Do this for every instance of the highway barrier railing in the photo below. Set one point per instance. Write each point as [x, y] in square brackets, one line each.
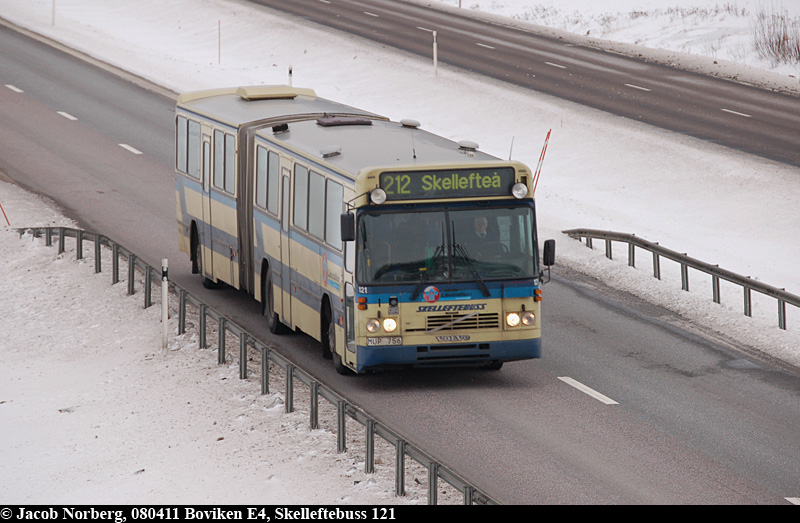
[269, 355]
[748, 284]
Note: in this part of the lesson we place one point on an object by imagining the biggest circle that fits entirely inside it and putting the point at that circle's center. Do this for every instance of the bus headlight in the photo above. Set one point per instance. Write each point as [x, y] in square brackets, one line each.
[378, 196]
[528, 318]
[389, 324]
[512, 319]
[373, 325]
[519, 191]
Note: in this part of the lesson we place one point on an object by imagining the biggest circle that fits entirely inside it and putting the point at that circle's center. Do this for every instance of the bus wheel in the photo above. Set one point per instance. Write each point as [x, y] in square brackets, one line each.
[268, 307]
[329, 344]
[494, 365]
[198, 263]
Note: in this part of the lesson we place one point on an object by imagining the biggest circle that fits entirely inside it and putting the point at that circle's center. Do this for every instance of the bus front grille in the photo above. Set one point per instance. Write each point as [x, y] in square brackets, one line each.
[458, 322]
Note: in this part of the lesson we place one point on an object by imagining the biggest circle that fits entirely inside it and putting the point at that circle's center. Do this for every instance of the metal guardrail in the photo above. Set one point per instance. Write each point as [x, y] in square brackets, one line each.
[373, 427]
[686, 262]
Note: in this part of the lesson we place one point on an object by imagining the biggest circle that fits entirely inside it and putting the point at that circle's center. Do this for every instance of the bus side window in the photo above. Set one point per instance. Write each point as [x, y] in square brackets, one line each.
[181, 143]
[273, 181]
[194, 150]
[333, 210]
[219, 160]
[300, 197]
[230, 163]
[316, 205]
[261, 177]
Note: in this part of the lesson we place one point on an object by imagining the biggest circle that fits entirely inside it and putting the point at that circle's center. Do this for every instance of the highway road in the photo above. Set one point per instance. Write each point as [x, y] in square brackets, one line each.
[690, 420]
[743, 117]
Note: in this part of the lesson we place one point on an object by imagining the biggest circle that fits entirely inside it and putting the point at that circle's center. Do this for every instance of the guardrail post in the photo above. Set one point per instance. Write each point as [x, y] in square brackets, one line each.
[131, 273]
[748, 304]
[97, 258]
[369, 452]
[114, 264]
[48, 240]
[289, 406]
[468, 495]
[265, 371]
[242, 356]
[181, 312]
[400, 468]
[715, 289]
[148, 283]
[684, 277]
[782, 314]
[314, 407]
[341, 435]
[631, 255]
[608, 249]
[202, 325]
[433, 482]
[589, 241]
[79, 244]
[221, 345]
[656, 266]
[61, 242]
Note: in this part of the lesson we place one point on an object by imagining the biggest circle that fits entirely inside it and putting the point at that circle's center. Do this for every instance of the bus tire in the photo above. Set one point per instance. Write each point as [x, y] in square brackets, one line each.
[329, 343]
[268, 306]
[494, 365]
[197, 265]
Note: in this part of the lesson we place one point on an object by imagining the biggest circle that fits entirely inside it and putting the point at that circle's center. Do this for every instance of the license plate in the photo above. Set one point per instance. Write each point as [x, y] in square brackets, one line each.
[386, 340]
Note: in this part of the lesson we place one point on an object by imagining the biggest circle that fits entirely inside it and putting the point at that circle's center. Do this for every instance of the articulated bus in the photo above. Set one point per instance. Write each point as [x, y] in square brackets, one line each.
[391, 246]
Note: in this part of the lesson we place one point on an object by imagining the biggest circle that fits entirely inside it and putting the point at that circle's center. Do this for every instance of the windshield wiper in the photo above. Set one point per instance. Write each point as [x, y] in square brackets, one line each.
[461, 251]
[437, 255]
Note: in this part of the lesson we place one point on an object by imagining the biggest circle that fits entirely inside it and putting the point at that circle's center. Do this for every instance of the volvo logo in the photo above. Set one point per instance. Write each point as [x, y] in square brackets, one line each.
[444, 339]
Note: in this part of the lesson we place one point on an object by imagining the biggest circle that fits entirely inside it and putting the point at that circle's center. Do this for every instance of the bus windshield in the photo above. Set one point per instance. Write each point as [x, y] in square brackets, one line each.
[494, 243]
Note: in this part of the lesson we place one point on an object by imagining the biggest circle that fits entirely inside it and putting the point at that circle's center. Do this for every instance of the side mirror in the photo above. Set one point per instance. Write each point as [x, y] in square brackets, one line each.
[348, 226]
[549, 255]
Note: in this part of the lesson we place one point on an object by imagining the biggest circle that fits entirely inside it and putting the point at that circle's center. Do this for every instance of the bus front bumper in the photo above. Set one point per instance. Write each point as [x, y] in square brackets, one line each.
[445, 355]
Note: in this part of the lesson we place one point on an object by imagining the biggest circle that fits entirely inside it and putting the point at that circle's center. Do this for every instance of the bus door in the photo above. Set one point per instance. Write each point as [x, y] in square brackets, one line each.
[285, 249]
[223, 208]
[206, 234]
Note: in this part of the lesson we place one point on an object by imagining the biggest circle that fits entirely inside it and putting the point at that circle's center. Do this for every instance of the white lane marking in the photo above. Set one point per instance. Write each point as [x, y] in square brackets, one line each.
[736, 113]
[591, 392]
[556, 65]
[793, 501]
[129, 148]
[425, 29]
[484, 45]
[638, 87]
[67, 116]
[324, 1]
[14, 88]
[370, 14]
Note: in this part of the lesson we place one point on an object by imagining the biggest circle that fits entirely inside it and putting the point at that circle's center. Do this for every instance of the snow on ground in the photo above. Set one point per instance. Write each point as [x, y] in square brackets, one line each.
[85, 420]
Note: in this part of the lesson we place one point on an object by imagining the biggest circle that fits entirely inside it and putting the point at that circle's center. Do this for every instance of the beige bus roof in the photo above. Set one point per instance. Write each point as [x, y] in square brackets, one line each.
[238, 106]
[355, 147]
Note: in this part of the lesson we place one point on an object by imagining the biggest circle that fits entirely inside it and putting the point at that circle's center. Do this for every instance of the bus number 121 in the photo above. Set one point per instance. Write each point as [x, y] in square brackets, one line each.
[382, 513]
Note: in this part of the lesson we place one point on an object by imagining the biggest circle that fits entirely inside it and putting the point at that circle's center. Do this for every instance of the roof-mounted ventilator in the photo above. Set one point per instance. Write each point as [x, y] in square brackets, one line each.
[334, 121]
[280, 128]
[467, 146]
[330, 151]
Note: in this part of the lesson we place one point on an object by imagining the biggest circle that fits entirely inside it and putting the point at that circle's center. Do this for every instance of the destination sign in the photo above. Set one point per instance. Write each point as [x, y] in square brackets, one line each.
[450, 183]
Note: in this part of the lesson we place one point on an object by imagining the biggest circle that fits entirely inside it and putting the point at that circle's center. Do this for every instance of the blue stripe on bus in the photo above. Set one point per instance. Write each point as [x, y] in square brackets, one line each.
[463, 291]
[311, 291]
